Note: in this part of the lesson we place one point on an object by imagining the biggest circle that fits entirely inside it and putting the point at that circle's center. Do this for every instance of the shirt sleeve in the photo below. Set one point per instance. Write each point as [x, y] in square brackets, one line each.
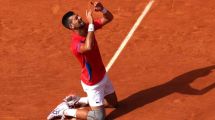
[98, 24]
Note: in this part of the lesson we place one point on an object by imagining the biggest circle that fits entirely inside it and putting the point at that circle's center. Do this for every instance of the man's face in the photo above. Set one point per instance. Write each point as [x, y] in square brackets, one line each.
[76, 22]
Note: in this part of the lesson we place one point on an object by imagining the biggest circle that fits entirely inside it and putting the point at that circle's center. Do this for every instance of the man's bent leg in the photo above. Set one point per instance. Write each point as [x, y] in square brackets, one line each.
[109, 93]
[78, 114]
[111, 100]
[97, 113]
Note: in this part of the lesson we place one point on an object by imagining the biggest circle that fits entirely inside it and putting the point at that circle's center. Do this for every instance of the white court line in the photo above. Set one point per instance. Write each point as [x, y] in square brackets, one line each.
[127, 38]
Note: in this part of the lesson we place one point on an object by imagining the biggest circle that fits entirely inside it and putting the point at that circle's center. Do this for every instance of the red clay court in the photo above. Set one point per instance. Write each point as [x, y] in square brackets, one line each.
[165, 72]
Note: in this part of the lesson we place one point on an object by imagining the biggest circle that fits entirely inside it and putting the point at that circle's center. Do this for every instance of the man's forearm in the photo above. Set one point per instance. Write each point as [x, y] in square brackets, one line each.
[89, 41]
[107, 16]
[90, 35]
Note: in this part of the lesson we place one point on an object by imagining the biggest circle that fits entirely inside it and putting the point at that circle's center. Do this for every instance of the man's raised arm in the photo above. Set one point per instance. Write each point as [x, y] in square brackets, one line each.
[107, 15]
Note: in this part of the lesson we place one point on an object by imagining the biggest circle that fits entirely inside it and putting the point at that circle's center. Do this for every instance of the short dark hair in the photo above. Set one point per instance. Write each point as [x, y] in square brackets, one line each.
[65, 19]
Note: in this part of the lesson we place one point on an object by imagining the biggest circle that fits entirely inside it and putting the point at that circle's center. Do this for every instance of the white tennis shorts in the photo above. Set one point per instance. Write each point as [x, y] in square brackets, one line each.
[97, 92]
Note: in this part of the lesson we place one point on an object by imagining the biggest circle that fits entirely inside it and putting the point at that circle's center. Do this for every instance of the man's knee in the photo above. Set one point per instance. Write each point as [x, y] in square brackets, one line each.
[96, 114]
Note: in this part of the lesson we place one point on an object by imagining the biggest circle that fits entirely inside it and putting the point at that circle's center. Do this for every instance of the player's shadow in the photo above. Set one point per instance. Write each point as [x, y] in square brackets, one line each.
[179, 84]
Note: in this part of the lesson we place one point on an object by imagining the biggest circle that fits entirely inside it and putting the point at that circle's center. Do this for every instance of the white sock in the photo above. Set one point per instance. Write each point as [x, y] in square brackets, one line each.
[70, 112]
[83, 101]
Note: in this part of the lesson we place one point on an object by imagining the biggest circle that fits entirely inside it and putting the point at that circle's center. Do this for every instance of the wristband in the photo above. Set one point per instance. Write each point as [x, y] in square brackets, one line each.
[91, 27]
[104, 10]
